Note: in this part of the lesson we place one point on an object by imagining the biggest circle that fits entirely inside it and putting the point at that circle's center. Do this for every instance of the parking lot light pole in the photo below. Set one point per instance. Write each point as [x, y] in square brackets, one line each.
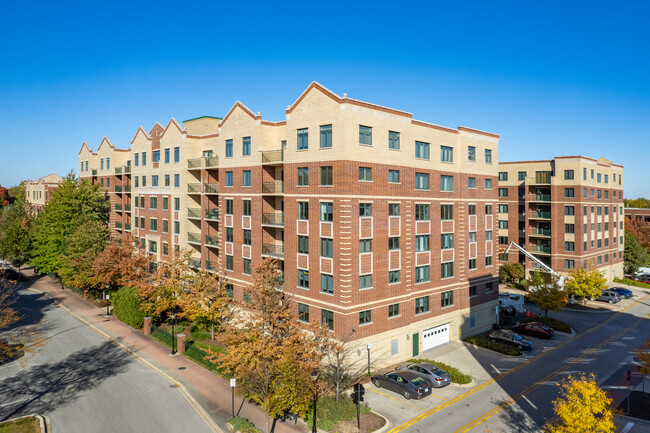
[368, 358]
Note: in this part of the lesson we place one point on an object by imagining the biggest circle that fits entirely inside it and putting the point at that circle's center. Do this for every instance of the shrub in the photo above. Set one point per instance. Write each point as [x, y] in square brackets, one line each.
[555, 324]
[497, 346]
[329, 411]
[126, 307]
[456, 375]
[632, 283]
[243, 425]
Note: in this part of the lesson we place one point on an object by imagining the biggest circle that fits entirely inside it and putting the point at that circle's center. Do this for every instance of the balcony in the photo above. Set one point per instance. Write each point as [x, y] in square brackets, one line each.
[210, 265]
[118, 170]
[94, 172]
[212, 241]
[194, 238]
[276, 187]
[211, 161]
[118, 188]
[118, 208]
[203, 162]
[118, 226]
[273, 219]
[194, 188]
[194, 164]
[127, 188]
[127, 169]
[541, 233]
[194, 262]
[212, 214]
[273, 250]
[127, 208]
[211, 188]
[540, 215]
[194, 213]
[542, 197]
[542, 249]
[273, 156]
[127, 227]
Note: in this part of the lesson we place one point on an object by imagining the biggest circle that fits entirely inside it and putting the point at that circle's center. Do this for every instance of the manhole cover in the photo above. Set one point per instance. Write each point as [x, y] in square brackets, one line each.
[182, 368]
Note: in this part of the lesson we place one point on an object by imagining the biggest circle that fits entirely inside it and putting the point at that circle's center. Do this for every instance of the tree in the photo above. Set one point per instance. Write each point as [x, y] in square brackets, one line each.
[581, 407]
[585, 284]
[73, 203]
[637, 203]
[270, 352]
[640, 230]
[82, 248]
[5, 199]
[15, 233]
[17, 191]
[511, 272]
[121, 264]
[170, 281]
[340, 371]
[643, 355]
[635, 254]
[548, 297]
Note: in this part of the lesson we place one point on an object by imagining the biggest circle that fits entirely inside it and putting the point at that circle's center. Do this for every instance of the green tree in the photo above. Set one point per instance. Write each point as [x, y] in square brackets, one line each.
[548, 297]
[511, 272]
[585, 284]
[637, 202]
[73, 203]
[82, 248]
[18, 191]
[581, 407]
[15, 233]
[635, 254]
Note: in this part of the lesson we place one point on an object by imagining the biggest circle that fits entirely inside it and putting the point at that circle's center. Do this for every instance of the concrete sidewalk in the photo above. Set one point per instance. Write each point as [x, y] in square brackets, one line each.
[208, 390]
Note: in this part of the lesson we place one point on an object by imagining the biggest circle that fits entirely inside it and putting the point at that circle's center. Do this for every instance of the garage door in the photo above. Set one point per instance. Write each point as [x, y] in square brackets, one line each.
[435, 336]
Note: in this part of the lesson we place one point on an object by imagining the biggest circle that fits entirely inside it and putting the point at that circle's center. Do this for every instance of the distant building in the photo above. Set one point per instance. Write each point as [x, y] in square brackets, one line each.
[638, 214]
[38, 192]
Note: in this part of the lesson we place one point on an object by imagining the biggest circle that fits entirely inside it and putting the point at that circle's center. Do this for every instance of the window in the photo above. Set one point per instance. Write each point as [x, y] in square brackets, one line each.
[153, 224]
[177, 180]
[503, 175]
[303, 278]
[325, 136]
[393, 176]
[326, 247]
[447, 270]
[446, 241]
[246, 146]
[144, 180]
[421, 181]
[156, 156]
[137, 159]
[101, 164]
[365, 174]
[365, 317]
[177, 227]
[472, 236]
[471, 183]
[303, 176]
[393, 310]
[569, 264]
[365, 281]
[229, 234]
[598, 177]
[167, 180]
[365, 209]
[488, 209]
[327, 284]
[229, 206]
[136, 181]
[153, 202]
[393, 243]
[165, 228]
[503, 224]
[393, 140]
[327, 319]
[246, 207]
[569, 210]
[247, 237]
[229, 263]
[446, 154]
[303, 244]
[177, 154]
[326, 176]
[521, 175]
[144, 158]
[569, 246]
[165, 248]
[446, 299]
[421, 243]
[569, 228]
[165, 203]
[422, 212]
[488, 235]
[142, 223]
[246, 266]
[154, 180]
[488, 260]
[141, 202]
[503, 208]
[303, 210]
[365, 135]
[488, 156]
[569, 192]
[447, 211]
[229, 180]
[421, 150]
[488, 183]
[303, 139]
[471, 153]
[421, 305]
[422, 274]
[393, 277]
[446, 183]
[229, 149]
[503, 192]
[568, 174]
[246, 178]
[166, 156]
[303, 313]
[472, 264]
[153, 246]
[327, 211]
[365, 246]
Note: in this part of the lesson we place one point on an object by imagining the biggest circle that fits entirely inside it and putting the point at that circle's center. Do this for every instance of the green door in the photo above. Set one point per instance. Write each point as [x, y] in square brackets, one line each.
[416, 344]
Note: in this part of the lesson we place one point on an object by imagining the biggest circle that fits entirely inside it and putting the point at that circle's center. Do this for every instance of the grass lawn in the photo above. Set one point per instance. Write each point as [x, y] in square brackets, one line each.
[25, 425]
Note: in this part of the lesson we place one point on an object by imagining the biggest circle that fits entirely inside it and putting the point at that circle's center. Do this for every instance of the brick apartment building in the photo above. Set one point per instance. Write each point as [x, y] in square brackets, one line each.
[638, 214]
[38, 192]
[382, 225]
[567, 212]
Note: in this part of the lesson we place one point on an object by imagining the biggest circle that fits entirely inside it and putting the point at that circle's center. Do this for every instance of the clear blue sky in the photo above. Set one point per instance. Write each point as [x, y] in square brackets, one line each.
[551, 78]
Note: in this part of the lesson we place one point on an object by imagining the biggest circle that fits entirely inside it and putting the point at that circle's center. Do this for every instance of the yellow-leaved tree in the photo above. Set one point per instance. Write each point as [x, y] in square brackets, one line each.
[581, 407]
[585, 284]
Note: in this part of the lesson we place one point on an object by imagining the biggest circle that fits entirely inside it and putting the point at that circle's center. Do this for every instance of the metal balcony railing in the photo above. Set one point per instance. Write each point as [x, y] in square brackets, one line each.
[127, 227]
[543, 232]
[193, 238]
[193, 213]
[542, 197]
[194, 188]
[118, 170]
[274, 219]
[276, 187]
[94, 172]
[273, 250]
[541, 214]
[127, 169]
[212, 240]
[211, 161]
[194, 262]
[118, 208]
[127, 207]
[194, 163]
[210, 265]
[273, 156]
[543, 249]
[118, 226]
[211, 188]
[118, 188]
[212, 214]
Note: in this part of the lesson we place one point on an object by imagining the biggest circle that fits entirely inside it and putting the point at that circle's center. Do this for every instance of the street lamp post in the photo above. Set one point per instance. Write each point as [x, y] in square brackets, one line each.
[314, 378]
[368, 358]
[173, 317]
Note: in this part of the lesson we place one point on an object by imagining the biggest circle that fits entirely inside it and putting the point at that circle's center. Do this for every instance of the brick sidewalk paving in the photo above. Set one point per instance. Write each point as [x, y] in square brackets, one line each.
[211, 391]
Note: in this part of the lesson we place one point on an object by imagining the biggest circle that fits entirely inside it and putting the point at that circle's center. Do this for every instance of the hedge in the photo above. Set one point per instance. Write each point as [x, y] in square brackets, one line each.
[126, 307]
[632, 283]
[455, 374]
[497, 346]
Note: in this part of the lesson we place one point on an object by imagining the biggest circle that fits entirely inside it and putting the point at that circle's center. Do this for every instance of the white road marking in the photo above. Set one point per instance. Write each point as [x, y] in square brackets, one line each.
[495, 369]
[529, 402]
[627, 427]
[12, 402]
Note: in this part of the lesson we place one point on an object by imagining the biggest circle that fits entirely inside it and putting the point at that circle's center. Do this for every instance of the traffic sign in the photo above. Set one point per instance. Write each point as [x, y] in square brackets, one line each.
[359, 390]
[233, 382]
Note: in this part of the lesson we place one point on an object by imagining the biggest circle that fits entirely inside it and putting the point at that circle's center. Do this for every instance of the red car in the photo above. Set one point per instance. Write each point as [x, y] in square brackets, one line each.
[534, 329]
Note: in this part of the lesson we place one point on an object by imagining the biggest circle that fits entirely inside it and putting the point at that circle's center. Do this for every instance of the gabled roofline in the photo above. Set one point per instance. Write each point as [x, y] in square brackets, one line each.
[203, 117]
[175, 123]
[105, 140]
[86, 146]
[240, 105]
[140, 130]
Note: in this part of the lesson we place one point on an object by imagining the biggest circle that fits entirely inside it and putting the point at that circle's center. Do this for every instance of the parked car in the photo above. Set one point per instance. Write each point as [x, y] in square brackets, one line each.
[622, 292]
[405, 382]
[432, 373]
[534, 329]
[608, 296]
[506, 336]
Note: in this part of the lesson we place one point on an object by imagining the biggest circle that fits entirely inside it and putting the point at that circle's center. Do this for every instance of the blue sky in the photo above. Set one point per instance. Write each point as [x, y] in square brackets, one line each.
[551, 78]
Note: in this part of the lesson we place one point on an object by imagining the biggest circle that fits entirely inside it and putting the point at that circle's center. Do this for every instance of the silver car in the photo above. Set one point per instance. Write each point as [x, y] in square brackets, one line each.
[609, 296]
[432, 373]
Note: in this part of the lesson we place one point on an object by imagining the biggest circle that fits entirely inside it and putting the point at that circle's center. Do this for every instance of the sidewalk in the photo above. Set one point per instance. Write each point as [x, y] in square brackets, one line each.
[212, 392]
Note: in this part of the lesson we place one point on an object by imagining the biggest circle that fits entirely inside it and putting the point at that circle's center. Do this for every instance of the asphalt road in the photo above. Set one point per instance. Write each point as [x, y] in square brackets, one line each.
[516, 393]
[86, 384]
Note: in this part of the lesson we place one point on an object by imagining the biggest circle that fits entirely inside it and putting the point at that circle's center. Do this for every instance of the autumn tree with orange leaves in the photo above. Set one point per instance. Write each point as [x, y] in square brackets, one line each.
[171, 280]
[122, 264]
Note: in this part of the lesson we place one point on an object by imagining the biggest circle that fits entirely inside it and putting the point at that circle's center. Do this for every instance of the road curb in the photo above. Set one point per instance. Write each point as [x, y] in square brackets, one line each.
[190, 399]
[386, 426]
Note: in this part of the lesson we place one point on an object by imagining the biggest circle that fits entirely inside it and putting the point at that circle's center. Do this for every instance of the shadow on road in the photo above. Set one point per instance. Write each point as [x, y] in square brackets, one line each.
[516, 419]
[43, 388]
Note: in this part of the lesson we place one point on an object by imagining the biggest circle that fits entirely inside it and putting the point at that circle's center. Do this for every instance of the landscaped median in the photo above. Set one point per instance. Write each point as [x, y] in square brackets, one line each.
[26, 424]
